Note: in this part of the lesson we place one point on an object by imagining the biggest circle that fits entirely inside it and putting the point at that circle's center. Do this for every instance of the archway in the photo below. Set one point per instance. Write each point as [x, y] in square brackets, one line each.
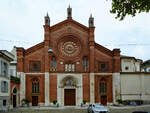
[14, 97]
[69, 84]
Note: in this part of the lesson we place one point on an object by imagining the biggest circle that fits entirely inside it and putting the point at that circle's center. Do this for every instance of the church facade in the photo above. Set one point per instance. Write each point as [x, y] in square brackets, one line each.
[68, 66]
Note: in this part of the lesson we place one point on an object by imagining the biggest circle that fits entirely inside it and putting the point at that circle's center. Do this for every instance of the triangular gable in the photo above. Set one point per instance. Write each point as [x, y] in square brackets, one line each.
[59, 25]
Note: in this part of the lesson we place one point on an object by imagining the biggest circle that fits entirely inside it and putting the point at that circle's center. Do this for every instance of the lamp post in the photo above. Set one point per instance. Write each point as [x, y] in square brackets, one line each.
[50, 50]
[140, 98]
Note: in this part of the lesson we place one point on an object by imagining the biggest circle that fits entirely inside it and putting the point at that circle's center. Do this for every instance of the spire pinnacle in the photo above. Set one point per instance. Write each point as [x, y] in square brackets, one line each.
[47, 19]
[47, 14]
[91, 21]
[69, 12]
[91, 15]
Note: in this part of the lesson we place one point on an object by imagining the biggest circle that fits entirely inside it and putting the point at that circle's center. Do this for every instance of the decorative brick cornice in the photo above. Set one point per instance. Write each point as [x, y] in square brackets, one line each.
[57, 26]
[103, 49]
[34, 48]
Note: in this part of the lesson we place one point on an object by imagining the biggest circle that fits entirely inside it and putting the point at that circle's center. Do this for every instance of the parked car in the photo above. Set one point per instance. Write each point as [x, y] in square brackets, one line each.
[97, 108]
[141, 112]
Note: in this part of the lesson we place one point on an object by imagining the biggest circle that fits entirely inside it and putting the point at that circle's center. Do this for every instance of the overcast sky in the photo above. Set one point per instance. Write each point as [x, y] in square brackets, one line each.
[21, 24]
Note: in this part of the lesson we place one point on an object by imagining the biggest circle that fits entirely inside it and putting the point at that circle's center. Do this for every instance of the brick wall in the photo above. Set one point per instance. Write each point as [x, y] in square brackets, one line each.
[86, 87]
[53, 87]
[29, 94]
[109, 94]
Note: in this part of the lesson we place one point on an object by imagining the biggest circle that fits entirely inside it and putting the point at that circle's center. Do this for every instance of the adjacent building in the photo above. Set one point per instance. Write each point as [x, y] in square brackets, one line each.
[145, 66]
[10, 82]
[134, 83]
[4, 80]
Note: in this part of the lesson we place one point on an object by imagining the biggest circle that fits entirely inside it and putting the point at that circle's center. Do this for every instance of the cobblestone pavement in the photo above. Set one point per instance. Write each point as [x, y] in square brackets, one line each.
[78, 110]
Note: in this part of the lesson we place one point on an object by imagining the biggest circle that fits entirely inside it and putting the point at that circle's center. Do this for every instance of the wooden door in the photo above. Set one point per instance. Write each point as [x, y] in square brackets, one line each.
[104, 100]
[70, 97]
[34, 100]
[14, 101]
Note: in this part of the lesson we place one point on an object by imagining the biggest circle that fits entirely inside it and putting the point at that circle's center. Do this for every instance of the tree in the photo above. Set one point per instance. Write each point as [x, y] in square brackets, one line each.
[129, 7]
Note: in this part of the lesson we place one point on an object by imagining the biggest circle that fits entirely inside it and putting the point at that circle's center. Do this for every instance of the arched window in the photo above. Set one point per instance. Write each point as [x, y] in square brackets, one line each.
[15, 90]
[35, 86]
[69, 67]
[53, 62]
[4, 86]
[103, 87]
[85, 62]
[103, 67]
[4, 68]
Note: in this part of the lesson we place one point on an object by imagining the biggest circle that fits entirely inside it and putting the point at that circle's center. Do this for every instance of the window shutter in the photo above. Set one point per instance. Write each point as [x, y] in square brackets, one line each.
[2, 68]
[6, 86]
[6, 69]
[2, 86]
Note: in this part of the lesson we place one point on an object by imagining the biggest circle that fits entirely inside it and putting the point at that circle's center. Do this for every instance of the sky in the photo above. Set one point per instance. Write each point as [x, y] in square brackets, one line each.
[21, 24]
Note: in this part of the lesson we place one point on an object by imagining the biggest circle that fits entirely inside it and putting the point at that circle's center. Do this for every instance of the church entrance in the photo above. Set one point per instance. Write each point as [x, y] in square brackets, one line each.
[69, 97]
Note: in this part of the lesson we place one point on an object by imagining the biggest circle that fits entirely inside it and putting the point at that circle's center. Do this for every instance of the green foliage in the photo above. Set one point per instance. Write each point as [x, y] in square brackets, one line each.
[119, 101]
[129, 7]
[54, 101]
[84, 101]
[15, 79]
[26, 100]
[146, 63]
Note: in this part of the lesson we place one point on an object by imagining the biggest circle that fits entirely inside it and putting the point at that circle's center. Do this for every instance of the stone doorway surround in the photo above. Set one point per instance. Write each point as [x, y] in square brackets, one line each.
[62, 85]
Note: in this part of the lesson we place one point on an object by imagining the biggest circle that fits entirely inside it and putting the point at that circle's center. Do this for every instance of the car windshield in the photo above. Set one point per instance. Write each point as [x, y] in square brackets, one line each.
[98, 106]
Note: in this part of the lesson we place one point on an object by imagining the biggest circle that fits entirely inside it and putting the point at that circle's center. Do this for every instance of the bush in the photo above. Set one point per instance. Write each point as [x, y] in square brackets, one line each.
[54, 101]
[25, 101]
[84, 101]
[15, 79]
[119, 101]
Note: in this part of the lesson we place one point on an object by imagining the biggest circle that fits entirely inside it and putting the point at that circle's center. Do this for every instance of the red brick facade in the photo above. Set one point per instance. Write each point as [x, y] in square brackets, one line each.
[53, 88]
[86, 87]
[29, 94]
[70, 42]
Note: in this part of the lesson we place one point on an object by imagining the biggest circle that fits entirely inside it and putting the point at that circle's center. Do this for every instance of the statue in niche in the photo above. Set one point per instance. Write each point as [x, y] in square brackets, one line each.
[69, 83]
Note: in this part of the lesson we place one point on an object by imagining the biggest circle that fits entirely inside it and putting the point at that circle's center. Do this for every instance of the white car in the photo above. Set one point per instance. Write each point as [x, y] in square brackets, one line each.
[97, 108]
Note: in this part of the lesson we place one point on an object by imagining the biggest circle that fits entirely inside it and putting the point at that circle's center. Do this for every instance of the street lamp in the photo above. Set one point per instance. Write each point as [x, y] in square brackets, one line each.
[50, 50]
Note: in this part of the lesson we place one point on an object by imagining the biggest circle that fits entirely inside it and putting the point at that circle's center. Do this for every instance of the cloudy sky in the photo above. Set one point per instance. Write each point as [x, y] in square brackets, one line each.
[21, 24]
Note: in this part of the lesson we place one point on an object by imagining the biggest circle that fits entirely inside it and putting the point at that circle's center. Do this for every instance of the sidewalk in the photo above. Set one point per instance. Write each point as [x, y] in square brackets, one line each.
[79, 107]
[129, 107]
[52, 107]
